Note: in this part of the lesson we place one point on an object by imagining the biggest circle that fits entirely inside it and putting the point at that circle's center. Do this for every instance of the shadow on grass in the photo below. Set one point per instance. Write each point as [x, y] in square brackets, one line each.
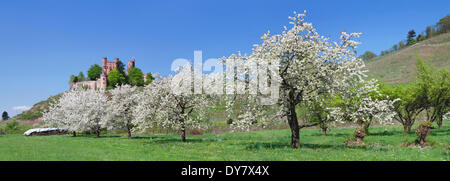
[377, 133]
[94, 136]
[138, 137]
[447, 154]
[165, 140]
[337, 134]
[439, 132]
[257, 146]
[384, 133]
[280, 145]
[151, 138]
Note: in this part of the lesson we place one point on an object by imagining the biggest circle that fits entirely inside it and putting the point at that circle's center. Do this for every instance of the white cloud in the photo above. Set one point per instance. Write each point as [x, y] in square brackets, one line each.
[21, 108]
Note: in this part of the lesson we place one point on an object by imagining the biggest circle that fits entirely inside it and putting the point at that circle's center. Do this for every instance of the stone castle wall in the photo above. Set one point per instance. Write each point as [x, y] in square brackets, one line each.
[102, 82]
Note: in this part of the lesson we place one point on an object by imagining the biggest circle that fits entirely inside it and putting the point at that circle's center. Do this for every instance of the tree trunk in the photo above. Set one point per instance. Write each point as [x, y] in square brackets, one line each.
[366, 126]
[183, 134]
[439, 123]
[98, 132]
[129, 131]
[323, 126]
[295, 138]
[324, 130]
[183, 131]
[407, 128]
[423, 131]
[422, 140]
[293, 124]
[358, 140]
[74, 133]
[359, 135]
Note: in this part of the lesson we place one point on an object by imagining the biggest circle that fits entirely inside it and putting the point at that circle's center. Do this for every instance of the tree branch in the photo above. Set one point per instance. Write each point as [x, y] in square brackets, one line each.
[310, 124]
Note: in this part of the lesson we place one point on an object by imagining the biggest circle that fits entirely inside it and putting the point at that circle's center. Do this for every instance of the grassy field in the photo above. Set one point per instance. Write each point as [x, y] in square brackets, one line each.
[384, 143]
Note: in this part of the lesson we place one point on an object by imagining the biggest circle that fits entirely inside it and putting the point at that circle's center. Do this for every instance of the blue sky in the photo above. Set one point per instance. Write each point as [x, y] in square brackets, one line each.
[43, 42]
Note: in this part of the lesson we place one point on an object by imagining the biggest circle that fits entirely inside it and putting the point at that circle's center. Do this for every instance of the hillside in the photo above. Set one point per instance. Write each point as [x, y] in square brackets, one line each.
[33, 116]
[399, 66]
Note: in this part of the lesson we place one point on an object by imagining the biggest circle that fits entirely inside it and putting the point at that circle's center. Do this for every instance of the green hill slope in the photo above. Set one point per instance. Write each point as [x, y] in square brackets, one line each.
[399, 66]
[33, 116]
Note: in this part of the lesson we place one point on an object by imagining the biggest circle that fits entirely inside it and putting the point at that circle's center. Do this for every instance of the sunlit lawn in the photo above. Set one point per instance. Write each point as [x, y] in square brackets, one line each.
[384, 143]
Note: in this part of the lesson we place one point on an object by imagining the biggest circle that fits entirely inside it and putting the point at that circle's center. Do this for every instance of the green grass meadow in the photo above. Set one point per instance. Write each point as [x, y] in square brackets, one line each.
[383, 143]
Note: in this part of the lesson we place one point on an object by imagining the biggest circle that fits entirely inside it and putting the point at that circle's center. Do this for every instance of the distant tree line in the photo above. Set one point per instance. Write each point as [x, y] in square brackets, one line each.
[443, 26]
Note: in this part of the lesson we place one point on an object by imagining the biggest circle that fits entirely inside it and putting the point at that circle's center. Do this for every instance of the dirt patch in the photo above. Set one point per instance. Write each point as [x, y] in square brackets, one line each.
[195, 132]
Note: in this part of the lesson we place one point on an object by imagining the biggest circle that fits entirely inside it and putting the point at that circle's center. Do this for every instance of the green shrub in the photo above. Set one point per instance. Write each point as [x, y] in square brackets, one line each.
[14, 127]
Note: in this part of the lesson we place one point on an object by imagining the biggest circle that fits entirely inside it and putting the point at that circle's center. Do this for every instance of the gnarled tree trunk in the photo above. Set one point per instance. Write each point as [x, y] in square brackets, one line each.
[295, 137]
[423, 131]
[359, 135]
[293, 122]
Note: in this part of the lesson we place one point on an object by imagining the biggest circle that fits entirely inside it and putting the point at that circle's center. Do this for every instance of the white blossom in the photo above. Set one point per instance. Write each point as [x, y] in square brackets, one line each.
[159, 105]
[124, 100]
[78, 110]
[310, 66]
[361, 106]
[447, 116]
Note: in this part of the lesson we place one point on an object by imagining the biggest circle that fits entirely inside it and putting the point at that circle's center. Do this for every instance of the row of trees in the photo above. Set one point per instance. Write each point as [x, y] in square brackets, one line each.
[325, 77]
[134, 77]
[442, 26]
[127, 107]
[428, 94]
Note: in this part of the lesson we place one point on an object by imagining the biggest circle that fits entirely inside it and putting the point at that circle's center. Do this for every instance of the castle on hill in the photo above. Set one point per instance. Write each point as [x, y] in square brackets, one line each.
[102, 82]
